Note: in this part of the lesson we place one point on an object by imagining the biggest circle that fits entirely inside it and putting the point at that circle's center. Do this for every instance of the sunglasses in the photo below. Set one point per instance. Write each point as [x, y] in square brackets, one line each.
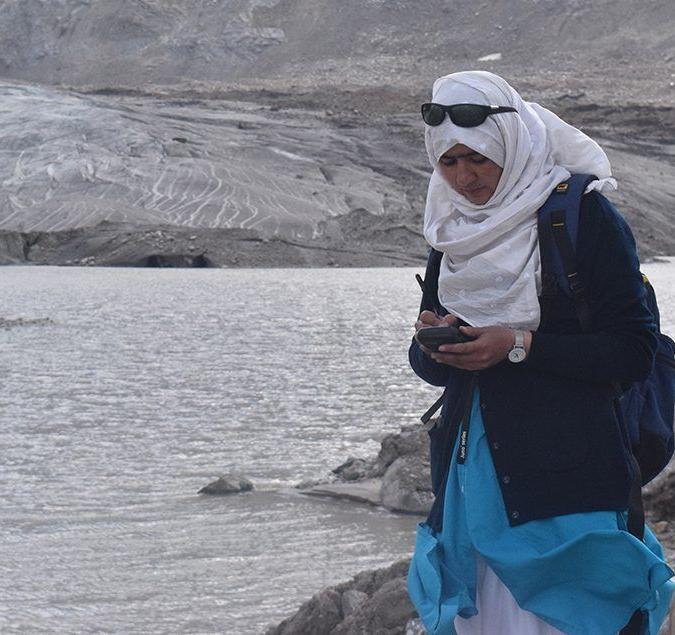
[463, 115]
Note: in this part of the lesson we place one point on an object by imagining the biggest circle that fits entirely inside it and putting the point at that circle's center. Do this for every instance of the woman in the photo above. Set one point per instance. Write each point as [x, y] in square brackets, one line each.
[530, 467]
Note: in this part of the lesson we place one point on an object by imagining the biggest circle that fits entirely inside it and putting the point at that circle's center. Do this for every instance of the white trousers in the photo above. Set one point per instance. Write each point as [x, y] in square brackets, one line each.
[498, 612]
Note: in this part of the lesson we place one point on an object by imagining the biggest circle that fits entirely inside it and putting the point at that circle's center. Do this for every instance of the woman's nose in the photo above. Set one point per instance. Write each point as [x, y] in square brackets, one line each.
[465, 175]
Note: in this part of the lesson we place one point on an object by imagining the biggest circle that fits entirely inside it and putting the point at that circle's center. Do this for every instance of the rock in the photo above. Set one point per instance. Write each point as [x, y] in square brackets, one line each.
[227, 484]
[410, 440]
[13, 248]
[352, 600]
[370, 581]
[373, 602]
[406, 486]
[387, 611]
[659, 501]
[415, 627]
[660, 526]
[7, 324]
[659, 495]
[365, 491]
[398, 478]
[159, 260]
[319, 615]
[354, 469]
[309, 483]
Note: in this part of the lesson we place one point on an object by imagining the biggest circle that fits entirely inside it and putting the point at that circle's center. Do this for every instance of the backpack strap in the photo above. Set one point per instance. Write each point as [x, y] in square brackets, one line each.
[431, 275]
[430, 299]
[435, 407]
[558, 224]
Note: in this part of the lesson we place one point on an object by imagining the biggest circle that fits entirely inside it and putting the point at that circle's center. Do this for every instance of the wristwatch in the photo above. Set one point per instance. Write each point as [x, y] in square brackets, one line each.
[517, 353]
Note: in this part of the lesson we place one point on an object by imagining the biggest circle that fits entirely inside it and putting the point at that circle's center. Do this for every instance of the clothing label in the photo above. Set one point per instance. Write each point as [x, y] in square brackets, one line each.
[461, 451]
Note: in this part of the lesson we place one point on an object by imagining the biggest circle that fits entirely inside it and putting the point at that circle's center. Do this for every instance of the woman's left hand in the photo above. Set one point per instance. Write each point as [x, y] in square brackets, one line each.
[490, 346]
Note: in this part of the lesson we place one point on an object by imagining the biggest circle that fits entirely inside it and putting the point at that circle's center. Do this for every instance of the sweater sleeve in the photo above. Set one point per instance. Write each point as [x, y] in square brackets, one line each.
[621, 345]
[426, 368]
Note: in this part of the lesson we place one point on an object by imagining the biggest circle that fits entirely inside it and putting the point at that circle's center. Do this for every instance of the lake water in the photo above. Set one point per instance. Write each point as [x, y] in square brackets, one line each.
[146, 385]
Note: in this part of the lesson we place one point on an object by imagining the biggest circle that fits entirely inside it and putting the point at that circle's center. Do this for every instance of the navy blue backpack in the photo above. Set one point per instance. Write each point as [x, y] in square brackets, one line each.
[647, 407]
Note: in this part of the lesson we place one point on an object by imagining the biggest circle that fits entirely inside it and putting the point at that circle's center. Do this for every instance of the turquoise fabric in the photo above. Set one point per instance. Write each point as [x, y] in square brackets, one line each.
[581, 573]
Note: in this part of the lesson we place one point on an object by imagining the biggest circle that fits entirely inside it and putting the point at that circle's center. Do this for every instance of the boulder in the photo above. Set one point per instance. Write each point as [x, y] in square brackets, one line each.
[374, 602]
[387, 612]
[659, 495]
[410, 440]
[659, 501]
[352, 600]
[406, 485]
[320, 614]
[415, 627]
[227, 484]
[398, 478]
[354, 469]
[12, 248]
[7, 324]
[365, 491]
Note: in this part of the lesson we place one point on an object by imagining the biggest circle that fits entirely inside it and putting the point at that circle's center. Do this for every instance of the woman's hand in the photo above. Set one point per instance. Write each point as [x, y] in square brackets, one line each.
[429, 318]
[490, 346]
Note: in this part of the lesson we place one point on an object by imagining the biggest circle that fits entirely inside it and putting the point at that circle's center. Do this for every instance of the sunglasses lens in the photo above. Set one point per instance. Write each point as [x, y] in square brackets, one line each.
[468, 115]
[463, 115]
[432, 114]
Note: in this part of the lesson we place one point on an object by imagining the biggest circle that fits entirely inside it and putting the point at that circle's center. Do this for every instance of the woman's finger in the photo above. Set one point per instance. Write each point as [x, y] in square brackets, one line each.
[457, 361]
[429, 317]
[473, 331]
[463, 348]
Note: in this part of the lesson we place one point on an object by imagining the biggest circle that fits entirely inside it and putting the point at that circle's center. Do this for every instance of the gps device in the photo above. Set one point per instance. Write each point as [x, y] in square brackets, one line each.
[432, 337]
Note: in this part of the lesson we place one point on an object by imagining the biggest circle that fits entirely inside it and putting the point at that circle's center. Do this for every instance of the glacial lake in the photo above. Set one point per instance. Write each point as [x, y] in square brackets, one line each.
[145, 385]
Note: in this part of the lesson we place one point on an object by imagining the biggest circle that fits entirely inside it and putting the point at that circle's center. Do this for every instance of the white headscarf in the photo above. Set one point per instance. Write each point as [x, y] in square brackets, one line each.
[491, 272]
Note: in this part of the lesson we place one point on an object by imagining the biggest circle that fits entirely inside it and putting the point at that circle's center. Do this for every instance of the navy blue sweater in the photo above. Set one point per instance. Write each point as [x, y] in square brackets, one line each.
[551, 423]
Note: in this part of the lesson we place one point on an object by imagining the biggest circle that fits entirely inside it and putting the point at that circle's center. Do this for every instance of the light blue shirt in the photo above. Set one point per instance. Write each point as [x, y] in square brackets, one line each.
[581, 573]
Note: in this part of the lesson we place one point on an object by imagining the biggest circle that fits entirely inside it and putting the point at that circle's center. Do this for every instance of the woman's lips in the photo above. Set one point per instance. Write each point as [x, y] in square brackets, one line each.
[473, 191]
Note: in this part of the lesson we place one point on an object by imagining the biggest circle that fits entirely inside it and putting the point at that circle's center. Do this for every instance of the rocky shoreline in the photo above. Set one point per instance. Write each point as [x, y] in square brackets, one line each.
[373, 602]
[376, 602]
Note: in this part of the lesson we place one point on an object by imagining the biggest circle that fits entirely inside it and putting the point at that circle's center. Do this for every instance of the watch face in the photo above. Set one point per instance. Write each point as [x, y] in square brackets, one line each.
[517, 355]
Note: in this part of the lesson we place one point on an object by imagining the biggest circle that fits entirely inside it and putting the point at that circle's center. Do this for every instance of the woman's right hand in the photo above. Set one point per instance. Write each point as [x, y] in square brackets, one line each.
[429, 318]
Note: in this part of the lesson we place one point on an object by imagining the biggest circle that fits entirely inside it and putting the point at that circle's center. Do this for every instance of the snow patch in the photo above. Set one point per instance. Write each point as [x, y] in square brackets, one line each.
[492, 57]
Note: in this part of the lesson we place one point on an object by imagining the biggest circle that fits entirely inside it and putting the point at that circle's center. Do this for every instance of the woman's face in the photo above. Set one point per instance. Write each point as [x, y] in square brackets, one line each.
[470, 174]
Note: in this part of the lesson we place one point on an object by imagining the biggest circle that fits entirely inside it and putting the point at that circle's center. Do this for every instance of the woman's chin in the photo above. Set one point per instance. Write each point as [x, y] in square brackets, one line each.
[479, 196]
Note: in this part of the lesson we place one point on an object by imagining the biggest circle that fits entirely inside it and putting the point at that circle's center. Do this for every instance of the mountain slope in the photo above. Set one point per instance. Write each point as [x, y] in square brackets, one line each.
[135, 42]
[296, 119]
